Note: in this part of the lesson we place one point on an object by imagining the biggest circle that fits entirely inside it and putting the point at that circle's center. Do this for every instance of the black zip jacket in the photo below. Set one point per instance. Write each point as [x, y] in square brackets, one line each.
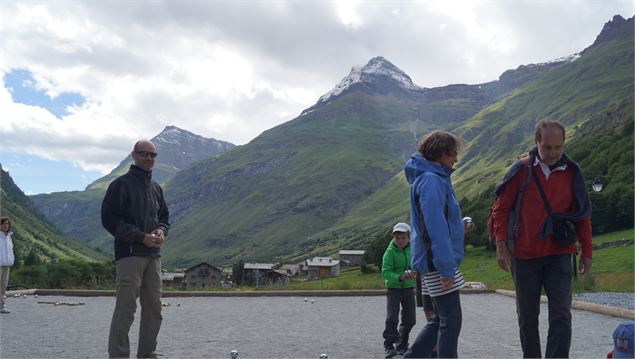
[133, 207]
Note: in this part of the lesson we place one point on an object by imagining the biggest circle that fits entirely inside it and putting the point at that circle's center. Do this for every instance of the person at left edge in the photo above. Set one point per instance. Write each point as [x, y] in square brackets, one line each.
[135, 213]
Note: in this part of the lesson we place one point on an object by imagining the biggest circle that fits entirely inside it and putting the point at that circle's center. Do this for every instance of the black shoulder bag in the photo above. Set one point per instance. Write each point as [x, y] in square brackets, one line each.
[563, 229]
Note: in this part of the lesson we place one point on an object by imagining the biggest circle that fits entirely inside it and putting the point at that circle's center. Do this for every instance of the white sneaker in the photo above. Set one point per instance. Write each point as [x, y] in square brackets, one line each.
[4, 310]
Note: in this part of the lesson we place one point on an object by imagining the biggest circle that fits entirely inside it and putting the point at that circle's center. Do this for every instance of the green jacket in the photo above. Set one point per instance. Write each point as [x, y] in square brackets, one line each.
[396, 261]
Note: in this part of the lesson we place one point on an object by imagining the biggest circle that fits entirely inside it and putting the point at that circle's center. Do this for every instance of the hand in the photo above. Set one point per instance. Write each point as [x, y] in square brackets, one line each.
[585, 265]
[447, 282]
[429, 314]
[503, 257]
[469, 227]
[159, 233]
[152, 241]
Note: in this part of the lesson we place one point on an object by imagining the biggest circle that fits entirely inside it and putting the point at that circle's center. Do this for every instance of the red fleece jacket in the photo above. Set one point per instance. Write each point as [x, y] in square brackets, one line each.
[532, 214]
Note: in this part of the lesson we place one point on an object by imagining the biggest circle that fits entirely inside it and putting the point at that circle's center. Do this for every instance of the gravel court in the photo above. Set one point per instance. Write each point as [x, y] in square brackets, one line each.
[274, 327]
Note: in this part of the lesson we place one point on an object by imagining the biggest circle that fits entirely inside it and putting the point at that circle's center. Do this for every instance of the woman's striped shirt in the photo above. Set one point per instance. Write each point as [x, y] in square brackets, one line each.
[432, 283]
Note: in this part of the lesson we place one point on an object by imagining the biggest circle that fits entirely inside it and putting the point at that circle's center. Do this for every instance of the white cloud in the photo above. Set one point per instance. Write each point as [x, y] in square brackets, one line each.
[347, 12]
[232, 70]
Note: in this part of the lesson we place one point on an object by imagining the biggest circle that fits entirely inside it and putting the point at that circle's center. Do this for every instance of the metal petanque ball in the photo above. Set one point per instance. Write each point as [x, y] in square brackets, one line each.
[312, 301]
[324, 356]
[467, 222]
[233, 354]
[306, 299]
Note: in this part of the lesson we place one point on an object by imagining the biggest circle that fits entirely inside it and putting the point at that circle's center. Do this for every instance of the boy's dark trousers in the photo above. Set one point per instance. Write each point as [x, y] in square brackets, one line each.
[406, 299]
[555, 274]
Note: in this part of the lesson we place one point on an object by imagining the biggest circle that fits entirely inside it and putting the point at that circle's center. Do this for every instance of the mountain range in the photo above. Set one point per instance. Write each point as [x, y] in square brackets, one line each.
[331, 178]
[77, 213]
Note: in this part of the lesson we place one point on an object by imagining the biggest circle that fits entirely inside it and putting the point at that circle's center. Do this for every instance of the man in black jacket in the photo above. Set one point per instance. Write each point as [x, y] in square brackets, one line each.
[135, 213]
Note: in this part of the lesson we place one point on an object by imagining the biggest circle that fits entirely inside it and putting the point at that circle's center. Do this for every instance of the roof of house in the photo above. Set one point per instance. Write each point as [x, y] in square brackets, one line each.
[322, 262]
[358, 252]
[171, 276]
[264, 266]
[203, 264]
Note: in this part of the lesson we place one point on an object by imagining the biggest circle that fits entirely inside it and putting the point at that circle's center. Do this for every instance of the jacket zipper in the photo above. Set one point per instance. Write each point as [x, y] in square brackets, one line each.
[406, 258]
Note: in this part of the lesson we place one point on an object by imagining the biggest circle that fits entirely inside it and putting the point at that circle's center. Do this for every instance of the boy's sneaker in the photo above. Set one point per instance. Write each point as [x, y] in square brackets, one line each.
[401, 351]
[4, 310]
[390, 352]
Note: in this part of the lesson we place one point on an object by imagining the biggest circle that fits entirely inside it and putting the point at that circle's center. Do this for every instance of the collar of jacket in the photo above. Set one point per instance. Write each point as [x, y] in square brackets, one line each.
[394, 245]
[140, 172]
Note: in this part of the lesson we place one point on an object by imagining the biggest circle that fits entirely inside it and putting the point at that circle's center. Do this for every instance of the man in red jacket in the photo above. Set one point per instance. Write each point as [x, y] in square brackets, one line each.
[538, 258]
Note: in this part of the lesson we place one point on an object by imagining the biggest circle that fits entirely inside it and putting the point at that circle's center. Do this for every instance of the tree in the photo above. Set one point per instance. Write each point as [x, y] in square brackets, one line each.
[32, 259]
[237, 272]
[375, 251]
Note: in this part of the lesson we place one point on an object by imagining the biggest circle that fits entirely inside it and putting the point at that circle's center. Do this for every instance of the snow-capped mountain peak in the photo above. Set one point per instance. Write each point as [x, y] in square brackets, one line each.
[377, 69]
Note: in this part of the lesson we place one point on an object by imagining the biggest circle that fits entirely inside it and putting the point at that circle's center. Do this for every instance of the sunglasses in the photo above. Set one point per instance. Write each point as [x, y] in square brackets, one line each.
[147, 154]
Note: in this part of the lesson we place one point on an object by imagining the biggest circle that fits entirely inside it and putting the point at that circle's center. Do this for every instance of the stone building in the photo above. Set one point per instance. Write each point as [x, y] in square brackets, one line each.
[322, 267]
[351, 257]
[202, 275]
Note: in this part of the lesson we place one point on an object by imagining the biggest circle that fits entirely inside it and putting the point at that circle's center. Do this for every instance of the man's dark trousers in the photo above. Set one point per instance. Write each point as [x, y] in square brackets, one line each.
[406, 298]
[554, 273]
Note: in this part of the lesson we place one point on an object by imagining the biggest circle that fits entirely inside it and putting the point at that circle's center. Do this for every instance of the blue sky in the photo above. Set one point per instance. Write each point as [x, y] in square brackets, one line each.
[35, 174]
[23, 89]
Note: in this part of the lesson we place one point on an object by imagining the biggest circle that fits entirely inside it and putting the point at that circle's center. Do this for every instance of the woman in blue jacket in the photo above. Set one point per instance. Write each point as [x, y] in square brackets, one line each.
[437, 241]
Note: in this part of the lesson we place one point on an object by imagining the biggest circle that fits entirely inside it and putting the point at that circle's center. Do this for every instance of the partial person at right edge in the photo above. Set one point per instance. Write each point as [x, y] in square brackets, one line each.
[135, 213]
[553, 213]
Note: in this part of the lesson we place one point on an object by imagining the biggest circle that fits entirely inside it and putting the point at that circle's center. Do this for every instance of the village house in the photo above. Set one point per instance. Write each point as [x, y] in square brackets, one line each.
[259, 274]
[172, 280]
[202, 275]
[293, 269]
[351, 257]
[322, 267]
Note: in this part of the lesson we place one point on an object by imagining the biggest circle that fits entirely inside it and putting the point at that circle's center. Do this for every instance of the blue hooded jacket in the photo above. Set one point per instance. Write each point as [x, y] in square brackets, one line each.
[430, 193]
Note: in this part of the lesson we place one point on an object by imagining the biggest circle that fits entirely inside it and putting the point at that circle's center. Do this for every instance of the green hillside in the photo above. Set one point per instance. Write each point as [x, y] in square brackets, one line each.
[78, 214]
[284, 194]
[33, 232]
[261, 200]
[332, 177]
[594, 101]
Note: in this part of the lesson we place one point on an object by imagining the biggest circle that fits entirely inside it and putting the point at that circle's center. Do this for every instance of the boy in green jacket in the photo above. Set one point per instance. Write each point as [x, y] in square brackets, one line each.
[400, 281]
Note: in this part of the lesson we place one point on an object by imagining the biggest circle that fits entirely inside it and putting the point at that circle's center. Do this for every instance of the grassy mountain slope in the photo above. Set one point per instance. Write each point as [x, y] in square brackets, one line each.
[260, 199]
[33, 231]
[77, 213]
[331, 178]
[599, 81]
[593, 100]
[270, 198]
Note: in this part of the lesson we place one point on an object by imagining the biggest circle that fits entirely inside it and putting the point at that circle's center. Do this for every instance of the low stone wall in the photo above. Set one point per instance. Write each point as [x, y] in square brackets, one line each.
[591, 307]
[233, 293]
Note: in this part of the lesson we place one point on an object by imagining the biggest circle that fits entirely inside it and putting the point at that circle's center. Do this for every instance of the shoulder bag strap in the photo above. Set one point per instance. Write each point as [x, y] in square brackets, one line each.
[545, 201]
